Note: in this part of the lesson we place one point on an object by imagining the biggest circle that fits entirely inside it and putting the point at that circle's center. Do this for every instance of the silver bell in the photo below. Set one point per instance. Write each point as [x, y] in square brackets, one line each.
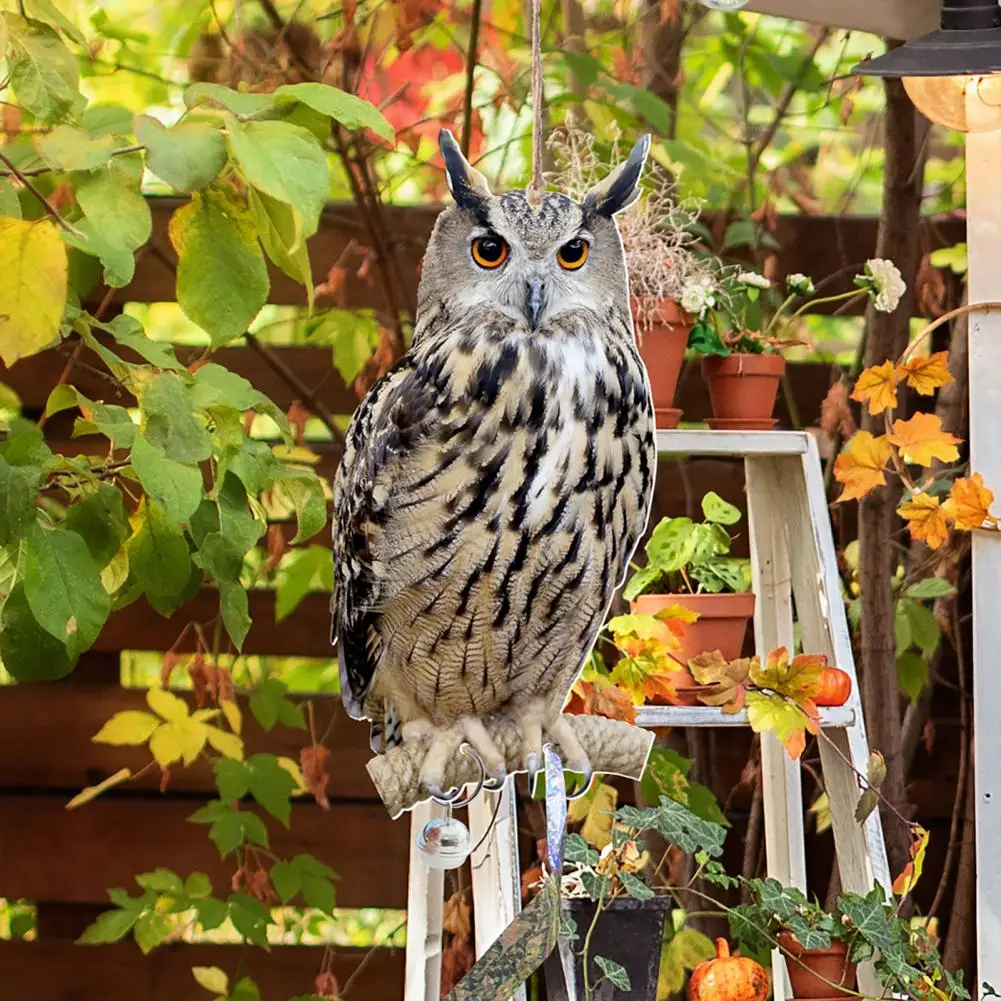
[444, 843]
[726, 5]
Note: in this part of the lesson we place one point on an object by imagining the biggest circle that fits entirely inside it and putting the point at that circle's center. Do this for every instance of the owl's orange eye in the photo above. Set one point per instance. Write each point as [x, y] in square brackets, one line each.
[572, 255]
[489, 251]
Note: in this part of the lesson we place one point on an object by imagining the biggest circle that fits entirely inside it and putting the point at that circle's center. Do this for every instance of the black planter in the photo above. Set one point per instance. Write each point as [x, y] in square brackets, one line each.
[630, 932]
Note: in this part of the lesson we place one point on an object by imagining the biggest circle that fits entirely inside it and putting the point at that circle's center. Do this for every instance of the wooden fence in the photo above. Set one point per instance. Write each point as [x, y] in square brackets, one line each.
[65, 861]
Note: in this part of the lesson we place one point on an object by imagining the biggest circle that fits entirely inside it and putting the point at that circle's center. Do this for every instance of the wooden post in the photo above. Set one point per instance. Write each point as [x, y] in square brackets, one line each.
[425, 913]
[983, 193]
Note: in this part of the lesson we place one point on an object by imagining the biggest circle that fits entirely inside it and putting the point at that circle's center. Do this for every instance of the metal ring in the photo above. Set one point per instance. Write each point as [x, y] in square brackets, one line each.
[453, 801]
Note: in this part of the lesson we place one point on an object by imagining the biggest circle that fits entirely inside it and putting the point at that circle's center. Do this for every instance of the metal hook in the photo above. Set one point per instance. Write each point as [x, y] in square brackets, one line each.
[452, 801]
[584, 791]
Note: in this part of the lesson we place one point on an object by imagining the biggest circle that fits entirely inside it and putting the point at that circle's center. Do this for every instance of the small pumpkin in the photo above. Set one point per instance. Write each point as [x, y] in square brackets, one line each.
[728, 978]
[835, 687]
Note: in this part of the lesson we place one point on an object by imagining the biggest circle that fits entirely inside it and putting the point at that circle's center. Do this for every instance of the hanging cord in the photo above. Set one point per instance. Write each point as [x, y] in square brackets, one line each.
[537, 187]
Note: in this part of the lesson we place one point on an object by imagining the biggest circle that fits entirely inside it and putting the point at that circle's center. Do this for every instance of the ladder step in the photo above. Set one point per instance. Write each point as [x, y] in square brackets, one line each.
[734, 443]
[840, 717]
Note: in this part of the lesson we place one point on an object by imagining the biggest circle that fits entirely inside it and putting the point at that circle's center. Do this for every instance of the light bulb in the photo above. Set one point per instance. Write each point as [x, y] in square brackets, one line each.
[964, 103]
[727, 5]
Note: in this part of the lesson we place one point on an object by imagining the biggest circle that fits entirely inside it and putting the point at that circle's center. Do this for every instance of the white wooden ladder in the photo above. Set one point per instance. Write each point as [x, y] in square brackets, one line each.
[793, 560]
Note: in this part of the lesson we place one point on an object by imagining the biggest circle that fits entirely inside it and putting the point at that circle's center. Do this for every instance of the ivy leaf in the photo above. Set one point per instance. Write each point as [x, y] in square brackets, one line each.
[278, 232]
[43, 71]
[188, 156]
[678, 825]
[33, 286]
[271, 785]
[287, 163]
[63, 587]
[169, 422]
[176, 487]
[69, 148]
[635, 886]
[579, 851]
[595, 884]
[100, 520]
[350, 111]
[304, 492]
[29, 652]
[615, 972]
[158, 557]
[222, 280]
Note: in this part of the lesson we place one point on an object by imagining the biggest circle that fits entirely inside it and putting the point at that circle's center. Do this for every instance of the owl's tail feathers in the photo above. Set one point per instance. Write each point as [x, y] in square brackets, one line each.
[613, 747]
[385, 732]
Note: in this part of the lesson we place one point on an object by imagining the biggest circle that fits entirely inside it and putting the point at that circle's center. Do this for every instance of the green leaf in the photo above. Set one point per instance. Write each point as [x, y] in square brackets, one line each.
[232, 779]
[70, 148]
[237, 525]
[311, 567]
[639, 582]
[211, 978]
[19, 486]
[43, 71]
[161, 880]
[176, 487]
[350, 111]
[151, 930]
[686, 949]
[198, 886]
[925, 630]
[10, 202]
[64, 589]
[278, 232]
[128, 332]
[116, 210]
[169, 422]
[615, 972]
[111, 926]
[305, 493]
[235, 610]
[222, 280]
[245, 990]
[902, 626]
[287, 163]
[931, 587]
[158, 558]
[250, 917]
[318, 892]
[271, 785]
[912, 674]
[188, 156]
[579, 851]
[239, 102]
[107, 120]
[29, 653]
[46, 10]
[673, 544]
[100, 520]
[635, 886]
[211, 913]
[286, 879]
[269, 703]
[33, 286]
[718, 510]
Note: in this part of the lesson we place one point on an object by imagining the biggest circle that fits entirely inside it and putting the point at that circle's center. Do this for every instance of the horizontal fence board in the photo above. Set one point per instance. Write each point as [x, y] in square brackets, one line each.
[817, 245]
[61, 971]
[46, 731]
[48, 853]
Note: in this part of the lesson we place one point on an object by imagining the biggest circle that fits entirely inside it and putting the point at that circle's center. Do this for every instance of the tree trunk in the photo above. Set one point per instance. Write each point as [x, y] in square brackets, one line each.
[663, 42]
[887, 337]
[958, 953]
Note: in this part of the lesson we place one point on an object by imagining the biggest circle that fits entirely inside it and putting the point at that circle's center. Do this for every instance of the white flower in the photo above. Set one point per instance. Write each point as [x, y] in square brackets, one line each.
[800, 284]
[696, 299]
[886, 283]
[753, 279]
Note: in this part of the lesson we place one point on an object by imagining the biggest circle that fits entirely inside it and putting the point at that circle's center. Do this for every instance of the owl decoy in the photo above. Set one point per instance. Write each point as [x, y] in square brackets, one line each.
[496, 481]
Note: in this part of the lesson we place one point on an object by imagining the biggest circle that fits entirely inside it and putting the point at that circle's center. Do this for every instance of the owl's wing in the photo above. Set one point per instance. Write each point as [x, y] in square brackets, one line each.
[386, 435]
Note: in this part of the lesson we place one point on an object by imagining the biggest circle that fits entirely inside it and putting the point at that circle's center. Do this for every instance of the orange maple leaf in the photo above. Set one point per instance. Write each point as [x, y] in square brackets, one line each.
[926, 519]
[860, 466]
[922, 440]
[600, 698]
[877, 386]
[969, 503]
[926, 374]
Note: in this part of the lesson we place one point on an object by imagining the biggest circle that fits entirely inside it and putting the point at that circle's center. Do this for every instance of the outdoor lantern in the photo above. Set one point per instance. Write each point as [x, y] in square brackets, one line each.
[952, 75]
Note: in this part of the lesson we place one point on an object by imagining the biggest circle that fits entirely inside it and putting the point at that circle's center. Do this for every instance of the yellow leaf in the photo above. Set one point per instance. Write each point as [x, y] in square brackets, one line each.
[730, 679]
[969, 503]
[33, 281]
[926, 374]
[292, 767]
[780, 716]
[926, 520]
[92, 792]
[597, 827]
[129, 728]
[176, 741]
[116, 573]
[167, 704]
[232, 713]
[821, 810]
[225, 743]
[908, 879]
[877, 387]
[922, 440]
[860, 466]
[211, 978]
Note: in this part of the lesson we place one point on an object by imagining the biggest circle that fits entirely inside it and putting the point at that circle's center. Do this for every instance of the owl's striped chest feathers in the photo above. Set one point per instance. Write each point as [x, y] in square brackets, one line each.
[512, 522]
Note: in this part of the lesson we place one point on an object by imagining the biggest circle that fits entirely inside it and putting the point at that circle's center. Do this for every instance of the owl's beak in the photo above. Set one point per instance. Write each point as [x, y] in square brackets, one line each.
[533, 302]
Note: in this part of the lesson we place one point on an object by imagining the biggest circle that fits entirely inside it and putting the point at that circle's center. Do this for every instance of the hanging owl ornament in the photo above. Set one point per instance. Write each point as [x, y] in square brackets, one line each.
[493, 488]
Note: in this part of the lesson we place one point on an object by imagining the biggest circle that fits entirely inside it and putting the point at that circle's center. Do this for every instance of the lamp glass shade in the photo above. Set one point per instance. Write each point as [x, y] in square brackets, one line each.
[964, 103]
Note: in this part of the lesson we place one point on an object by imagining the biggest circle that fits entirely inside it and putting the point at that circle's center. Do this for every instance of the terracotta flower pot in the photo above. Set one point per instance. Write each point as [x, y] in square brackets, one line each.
[721, 625]
[743, 388]
[816, 974]
[662, 346]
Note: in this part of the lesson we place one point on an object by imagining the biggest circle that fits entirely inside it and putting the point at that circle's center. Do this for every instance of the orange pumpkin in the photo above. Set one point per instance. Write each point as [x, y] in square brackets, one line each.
[728, 978]
[835, 687]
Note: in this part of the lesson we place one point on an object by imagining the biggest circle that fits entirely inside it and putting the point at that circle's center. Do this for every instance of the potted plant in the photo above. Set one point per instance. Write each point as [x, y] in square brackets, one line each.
[616, 902]
[741, 325]
[689, 565]
[657, 237]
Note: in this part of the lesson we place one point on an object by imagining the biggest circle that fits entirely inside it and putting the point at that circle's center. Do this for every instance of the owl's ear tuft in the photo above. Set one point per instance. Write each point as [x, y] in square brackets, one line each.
[468, 186]
[622, 186]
